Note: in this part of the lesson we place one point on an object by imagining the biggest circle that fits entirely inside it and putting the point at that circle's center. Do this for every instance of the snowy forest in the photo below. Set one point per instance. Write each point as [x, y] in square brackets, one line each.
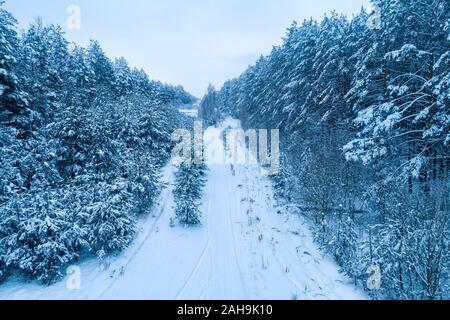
[365, 120]
[82, 141]
[362, 105]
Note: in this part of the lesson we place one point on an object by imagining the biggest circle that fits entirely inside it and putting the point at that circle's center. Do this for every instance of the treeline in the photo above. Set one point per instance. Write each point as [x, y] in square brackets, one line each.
[364, 114]
[82, 141]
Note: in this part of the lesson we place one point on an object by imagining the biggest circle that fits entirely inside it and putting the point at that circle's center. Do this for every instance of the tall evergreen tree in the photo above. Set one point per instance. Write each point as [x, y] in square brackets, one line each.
[82, 143]
[363, 114]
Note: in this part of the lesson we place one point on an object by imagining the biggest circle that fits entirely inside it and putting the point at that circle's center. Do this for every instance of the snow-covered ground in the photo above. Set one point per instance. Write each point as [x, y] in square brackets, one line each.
[247, 248]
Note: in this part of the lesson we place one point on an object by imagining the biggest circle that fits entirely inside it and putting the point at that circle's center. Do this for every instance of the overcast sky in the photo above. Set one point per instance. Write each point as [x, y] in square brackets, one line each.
[187, 42]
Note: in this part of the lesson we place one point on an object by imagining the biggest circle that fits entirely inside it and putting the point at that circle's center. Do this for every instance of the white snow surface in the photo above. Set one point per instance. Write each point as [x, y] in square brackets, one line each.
[246, 248]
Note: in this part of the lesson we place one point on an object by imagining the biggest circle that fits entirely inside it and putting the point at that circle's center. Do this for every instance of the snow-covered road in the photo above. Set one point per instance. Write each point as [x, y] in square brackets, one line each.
[247, 248]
